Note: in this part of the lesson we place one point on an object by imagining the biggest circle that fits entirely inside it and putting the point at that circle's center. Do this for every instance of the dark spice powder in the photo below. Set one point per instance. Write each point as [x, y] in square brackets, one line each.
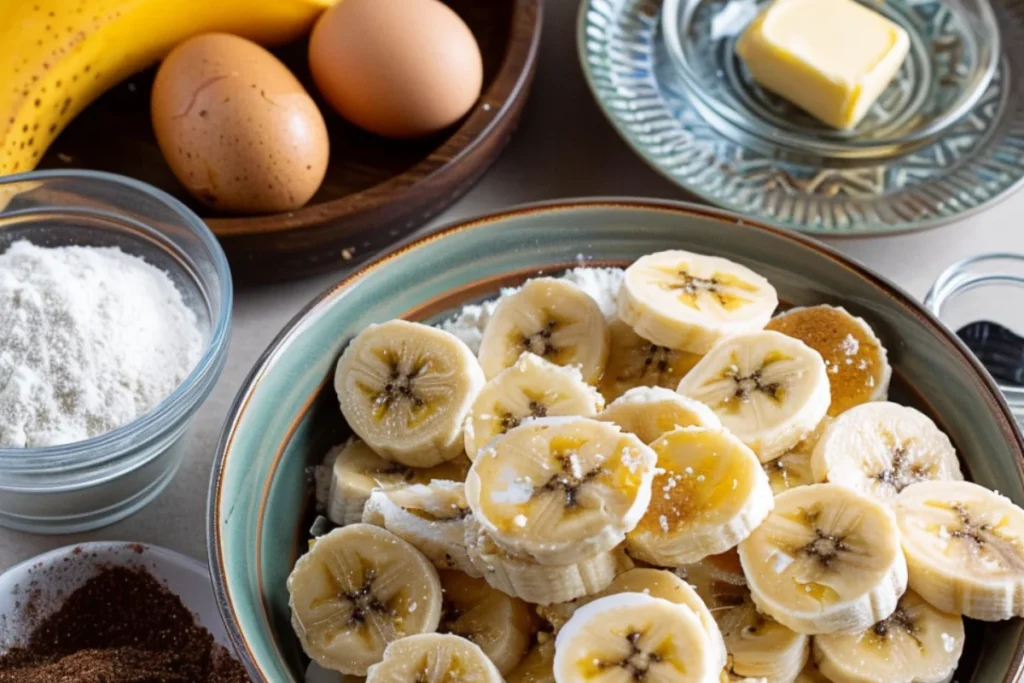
[121, 626]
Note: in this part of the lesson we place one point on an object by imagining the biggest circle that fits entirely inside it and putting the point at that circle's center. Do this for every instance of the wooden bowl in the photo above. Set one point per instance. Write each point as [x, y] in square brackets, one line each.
[376, 191]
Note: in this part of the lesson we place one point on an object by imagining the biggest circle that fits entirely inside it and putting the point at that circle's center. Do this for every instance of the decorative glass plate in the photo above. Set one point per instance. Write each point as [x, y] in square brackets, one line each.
[912, 164]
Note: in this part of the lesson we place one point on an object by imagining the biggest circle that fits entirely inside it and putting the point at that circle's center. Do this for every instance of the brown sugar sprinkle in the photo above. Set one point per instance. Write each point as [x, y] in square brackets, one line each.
[121, 626]
[850, 352]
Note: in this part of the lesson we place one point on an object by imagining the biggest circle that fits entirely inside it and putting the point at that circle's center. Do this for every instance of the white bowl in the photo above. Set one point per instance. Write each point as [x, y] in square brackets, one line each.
[59, 572]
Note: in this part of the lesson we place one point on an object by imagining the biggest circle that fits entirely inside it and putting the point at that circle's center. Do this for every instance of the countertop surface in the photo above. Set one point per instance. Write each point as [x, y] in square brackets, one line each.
[564, 148]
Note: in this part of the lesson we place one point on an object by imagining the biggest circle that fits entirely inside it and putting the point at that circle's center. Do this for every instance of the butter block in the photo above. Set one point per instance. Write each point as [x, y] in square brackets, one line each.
[832, 58]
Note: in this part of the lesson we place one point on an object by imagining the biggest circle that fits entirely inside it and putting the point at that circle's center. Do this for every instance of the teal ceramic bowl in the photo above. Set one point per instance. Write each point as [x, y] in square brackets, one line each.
[285, 416]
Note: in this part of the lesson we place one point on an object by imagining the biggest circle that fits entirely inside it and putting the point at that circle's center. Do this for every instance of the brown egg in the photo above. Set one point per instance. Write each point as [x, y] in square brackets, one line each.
[236, 127]
[399, 68]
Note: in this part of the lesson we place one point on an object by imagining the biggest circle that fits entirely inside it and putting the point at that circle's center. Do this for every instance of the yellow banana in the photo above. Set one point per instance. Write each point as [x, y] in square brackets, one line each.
[57, 56]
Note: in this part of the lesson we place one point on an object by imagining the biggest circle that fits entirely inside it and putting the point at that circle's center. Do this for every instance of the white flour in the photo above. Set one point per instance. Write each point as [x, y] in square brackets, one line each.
[90, 339]
[602, 284]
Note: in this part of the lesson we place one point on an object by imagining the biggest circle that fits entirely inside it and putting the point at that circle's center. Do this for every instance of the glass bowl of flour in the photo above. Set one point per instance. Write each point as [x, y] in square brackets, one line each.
[115, 309]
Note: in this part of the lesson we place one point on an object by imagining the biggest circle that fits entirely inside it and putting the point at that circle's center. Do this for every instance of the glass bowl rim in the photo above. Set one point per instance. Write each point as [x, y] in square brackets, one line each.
[127, 439]
[830, 149]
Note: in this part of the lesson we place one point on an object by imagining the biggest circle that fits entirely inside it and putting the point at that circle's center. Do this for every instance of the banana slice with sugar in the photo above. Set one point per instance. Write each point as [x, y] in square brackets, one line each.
[561, 490]
[635, 362]
[708, 494]
[758, 646]
[358, 589]
[793, 468]
[965, 548]
[768, 389]
[858, 364]
[356, 471]
[541, 584]
[689, 301]
[553, 319]
[650, 412]
[881, 448]
[530, 388]
[634, 637]
[915, 644]
[826, 560]
[406, 389]
[434, 658]
[431, 517]
[501, 625]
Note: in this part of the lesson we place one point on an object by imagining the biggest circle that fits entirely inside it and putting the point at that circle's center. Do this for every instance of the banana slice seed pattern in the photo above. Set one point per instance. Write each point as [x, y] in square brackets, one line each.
[727, 290]
[901, 468]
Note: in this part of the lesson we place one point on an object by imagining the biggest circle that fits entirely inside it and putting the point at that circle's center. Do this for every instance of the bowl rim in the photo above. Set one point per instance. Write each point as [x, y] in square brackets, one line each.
[124, 440]
[298, 323]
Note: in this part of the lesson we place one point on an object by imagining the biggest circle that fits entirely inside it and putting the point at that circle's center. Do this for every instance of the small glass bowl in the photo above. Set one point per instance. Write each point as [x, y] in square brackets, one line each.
[92, 483]
[984, 287]
[953, 55]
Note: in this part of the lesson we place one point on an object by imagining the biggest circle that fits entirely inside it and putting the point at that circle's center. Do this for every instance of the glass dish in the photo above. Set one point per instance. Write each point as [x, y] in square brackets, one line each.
[88, 484]
[980, 288]
[953, 55]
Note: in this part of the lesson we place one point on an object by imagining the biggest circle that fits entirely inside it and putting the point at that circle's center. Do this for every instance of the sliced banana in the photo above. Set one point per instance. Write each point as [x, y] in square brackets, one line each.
[553, 319]
[768, 389]
[359, 588]
[858, 365]
[793, 468]
[826, 560]
[561, 490]
[635, 362]
[434, 658]
[431, 517]
[758, 646]
[530, 388]
[539, 664]
[726, 567]
[709, 494]
[631, 637]
[657, 583]
[881, 448]
[406, 389]
[650, 412]
[915, 644]
[356, 471]
[501, 625]
[541, 584]
[690, 301]
[810, 674]
[964, 547]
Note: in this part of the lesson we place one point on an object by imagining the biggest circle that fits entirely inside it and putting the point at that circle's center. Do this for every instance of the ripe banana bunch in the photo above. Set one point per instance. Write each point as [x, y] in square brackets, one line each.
[768, 389]
[431, 517]
[358, 589]
[687, 301]
[881, 448]
[915, 644]
[826, 560]
[433, 658]
[635, 637]
[550, 318]
[708, 495]
[58, 56]
[793, 468]
[541, 584]
[650, 412]
[539, 664]
[858, 364]
[356, 471]
[965, 548]
[499, 624]
[531, 387]
[406, 390]
[635, 362]
[561, 490]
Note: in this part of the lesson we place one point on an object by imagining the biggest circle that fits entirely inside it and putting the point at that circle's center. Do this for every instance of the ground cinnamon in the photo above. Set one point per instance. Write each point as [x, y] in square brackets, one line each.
[121, 626]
